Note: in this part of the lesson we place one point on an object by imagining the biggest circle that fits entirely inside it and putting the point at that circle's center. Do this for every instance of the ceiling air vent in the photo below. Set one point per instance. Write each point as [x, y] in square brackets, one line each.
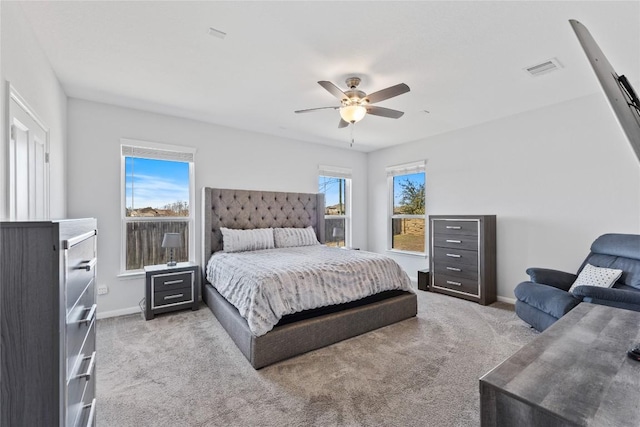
[543, 68]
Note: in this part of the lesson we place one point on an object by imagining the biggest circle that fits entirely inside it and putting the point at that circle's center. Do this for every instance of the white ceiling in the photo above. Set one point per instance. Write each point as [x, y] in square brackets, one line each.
[462, 60]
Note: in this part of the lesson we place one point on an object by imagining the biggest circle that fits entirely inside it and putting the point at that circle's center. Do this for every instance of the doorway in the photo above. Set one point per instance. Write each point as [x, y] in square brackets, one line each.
[28, 161]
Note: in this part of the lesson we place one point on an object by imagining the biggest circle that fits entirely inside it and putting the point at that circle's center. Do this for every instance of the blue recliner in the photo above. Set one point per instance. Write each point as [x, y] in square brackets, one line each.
[545, 298]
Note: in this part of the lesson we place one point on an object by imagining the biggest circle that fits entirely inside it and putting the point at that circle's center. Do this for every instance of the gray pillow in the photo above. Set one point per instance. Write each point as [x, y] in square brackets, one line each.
[289, 237]
[247, 240]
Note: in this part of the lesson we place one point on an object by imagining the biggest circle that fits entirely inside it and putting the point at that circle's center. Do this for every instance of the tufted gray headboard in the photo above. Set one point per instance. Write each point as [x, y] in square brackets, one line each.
[246, 209]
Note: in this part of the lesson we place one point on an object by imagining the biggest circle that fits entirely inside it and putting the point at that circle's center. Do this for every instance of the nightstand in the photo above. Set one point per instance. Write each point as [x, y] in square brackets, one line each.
[171, 288]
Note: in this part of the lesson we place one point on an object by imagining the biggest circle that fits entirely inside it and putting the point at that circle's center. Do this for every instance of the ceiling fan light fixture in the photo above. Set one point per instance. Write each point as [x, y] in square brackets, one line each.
[352, 113]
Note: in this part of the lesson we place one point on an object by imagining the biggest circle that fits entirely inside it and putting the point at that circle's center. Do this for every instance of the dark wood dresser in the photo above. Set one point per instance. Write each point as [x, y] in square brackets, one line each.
[47, 323]
[462, 257]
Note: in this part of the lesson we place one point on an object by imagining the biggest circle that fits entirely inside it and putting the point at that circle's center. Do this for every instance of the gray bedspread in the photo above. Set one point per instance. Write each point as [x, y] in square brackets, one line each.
[266, 285]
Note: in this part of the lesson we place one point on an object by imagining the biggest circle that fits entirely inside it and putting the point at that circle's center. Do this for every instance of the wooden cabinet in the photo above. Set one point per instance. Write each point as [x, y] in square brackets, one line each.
[47, 322]
[171, 288]
[462, 256]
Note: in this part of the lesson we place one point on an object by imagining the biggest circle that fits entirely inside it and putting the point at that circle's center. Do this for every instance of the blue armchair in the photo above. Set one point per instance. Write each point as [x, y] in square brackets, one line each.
[545, 298]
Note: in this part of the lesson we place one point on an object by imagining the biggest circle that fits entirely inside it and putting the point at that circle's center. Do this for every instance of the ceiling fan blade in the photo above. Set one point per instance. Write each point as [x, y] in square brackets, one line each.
[342, 124]
[333, 89]
[315, 109]
[384, 112]
[387, 93]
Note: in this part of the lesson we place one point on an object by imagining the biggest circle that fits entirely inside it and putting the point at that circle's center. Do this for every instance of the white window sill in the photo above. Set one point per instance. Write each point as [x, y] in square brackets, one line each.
[129, 275]
[415, 254]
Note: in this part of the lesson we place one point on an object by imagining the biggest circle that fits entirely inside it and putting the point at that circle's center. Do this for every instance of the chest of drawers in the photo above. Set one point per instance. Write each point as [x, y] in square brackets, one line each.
[462, 257]
[47, 322]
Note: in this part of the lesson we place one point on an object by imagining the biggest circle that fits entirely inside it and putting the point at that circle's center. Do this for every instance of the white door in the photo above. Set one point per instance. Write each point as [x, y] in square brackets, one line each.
[28, 164]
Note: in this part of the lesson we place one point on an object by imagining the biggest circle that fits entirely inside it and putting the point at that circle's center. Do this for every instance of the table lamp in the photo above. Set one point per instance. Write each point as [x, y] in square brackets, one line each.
[171, 241]
[337, 234]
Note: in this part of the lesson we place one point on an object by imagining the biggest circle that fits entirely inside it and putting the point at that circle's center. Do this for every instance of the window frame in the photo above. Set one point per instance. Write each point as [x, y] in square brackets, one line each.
[400, 170]
[158, 151]
[346, 174]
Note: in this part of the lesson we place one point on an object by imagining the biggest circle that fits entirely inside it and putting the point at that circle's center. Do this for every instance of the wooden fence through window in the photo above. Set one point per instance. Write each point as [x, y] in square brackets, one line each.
[144, 240]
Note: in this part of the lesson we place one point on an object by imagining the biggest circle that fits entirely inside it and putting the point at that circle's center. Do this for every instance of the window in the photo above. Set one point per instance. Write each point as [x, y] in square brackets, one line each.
[157, 198]
[407, 206]
[335, 184]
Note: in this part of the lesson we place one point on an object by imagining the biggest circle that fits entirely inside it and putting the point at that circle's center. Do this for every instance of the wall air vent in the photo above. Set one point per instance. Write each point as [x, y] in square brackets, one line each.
[544, 67]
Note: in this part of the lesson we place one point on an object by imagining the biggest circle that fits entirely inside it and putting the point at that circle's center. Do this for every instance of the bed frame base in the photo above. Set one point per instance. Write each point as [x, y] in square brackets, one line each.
[293, 339]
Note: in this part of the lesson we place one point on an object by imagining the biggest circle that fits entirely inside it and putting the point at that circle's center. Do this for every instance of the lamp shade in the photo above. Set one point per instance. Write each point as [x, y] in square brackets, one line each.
[172, 240]
[353, 113]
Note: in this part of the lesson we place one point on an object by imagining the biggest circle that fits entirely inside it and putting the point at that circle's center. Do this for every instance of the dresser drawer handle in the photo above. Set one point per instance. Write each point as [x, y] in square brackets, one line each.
[90, 316]
[174, 296]
[453, 227]
[454, 241]
[449, 282]
[67, 244]
[174, 282]
[88, 264]
[89, 371]
[454, 255]
[453, 269]
[92, 412]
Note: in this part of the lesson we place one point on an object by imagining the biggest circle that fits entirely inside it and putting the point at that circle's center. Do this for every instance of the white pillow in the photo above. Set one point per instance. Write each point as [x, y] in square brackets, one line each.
[247, 240]
[288, 237]
[596, 276]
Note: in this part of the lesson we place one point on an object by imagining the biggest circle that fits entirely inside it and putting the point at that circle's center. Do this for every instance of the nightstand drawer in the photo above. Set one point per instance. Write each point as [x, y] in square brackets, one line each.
[174, 296]
[171, 281]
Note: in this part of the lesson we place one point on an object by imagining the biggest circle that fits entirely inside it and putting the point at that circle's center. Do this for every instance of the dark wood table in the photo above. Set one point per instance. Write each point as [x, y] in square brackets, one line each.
[576, 373]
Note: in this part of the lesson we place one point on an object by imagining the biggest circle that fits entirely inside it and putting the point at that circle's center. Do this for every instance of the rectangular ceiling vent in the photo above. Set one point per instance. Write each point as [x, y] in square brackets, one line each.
[543, 68]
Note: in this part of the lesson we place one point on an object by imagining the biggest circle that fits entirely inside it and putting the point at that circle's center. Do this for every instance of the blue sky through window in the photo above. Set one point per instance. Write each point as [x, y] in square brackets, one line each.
[330, 186]
[416, 178]
[155, 183]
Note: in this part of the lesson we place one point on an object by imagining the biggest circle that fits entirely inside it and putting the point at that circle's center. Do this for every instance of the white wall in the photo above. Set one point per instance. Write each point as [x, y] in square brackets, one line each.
[225, 158]
[25, 66]
[556, 178]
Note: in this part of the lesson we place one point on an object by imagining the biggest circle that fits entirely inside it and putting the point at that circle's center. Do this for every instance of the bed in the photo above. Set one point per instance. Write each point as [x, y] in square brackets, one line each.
[298, 332]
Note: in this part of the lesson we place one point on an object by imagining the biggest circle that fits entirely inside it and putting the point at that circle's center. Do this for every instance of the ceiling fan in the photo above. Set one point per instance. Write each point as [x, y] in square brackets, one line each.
[355, 104]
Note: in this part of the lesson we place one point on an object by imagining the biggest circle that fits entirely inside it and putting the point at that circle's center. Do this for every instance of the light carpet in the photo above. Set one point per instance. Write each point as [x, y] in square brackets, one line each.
[182, 369]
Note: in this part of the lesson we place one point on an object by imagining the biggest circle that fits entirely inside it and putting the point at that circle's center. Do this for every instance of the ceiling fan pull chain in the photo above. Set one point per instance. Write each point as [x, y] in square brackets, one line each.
[353, 125]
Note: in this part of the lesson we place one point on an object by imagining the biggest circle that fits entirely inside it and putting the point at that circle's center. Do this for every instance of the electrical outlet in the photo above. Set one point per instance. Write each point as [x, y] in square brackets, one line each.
[102, 290]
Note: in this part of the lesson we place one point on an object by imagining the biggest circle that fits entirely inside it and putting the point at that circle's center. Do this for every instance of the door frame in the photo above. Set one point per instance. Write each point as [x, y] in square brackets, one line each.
[14, 95]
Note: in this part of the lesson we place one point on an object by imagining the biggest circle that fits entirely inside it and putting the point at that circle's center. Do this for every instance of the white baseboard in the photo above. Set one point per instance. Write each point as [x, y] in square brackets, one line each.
[120, 312]
[511, 301]
[136, 309]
